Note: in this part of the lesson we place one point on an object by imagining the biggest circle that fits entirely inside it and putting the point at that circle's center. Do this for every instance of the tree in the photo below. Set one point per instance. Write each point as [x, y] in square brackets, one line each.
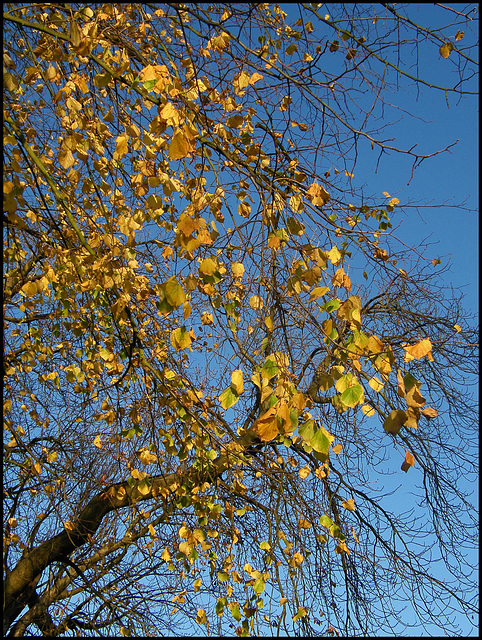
[215, 345]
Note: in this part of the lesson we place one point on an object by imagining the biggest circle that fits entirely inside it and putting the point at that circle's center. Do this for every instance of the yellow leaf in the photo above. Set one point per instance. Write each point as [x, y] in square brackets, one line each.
[457, 328]
[401, 385]
[337, 448]
[267, 426]
[170, 114]
[237, 269]
[207, 318]
[208, 267]
[201, 617]
[244, 209]
[342, 548]
[121, 146]
[415, 398]
[349, 504]
[459, 35]
[255, 78]
[69, 525]
[418, 350]
[165, 555]
[237, 382]
[412, 414]
[152, 531]
[354, 535]
[180, 339]
[318, 292]
[304, 472]
[97, 442]
[318, 195]
[185, 548]
[334, 255]
[255, 302]
[66, 159]
[179, 147]
[283, 600]
[30, 289]
[446, 49]
[304, 524]
[376, 384]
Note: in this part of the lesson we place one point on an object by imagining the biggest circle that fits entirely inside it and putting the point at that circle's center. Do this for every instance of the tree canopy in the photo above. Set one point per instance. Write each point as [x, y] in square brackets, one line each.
[224, 373]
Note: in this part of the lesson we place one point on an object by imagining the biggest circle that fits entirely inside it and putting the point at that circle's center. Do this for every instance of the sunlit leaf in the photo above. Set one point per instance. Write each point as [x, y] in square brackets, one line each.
[349, 504]
[237, 382]
[408, 462]
[180, 338]
[228, 398]
[179, 147]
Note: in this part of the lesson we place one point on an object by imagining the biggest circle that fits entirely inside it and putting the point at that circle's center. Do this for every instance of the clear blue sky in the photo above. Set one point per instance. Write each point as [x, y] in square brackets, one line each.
[432, 122]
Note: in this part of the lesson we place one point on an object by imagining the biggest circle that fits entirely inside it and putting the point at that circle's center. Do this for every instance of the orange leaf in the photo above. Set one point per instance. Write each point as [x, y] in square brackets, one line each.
[267, 426]
[408, 462]
[428, 412]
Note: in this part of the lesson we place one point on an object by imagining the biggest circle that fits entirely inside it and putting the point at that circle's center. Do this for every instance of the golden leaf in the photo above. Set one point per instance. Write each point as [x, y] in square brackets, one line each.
[418, 350]
[318, 195]
[446, 49]
[179, 147]
[304, 472]
[302, 523]
[237, 269]
[255, 302]
[97, 442]
[429, 412]
[337, 448]
[121, 146]
[255, 78]
[349, 504]
[376, 384]
[237, 382]
[208, 267]
[267, 426]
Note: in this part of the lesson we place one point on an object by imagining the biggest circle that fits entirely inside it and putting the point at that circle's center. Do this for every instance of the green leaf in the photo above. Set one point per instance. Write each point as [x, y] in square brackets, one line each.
[321, 441]
[180, 339]
[331, 305]
[235, 612]
[353, 396]
[228, 398]
[258, 585]
[175, 294]
[270, 369]
[150, 84]
[326, 521]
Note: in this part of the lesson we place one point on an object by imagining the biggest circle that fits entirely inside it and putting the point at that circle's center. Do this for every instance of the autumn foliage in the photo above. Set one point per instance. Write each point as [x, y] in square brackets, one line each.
[214, 346]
